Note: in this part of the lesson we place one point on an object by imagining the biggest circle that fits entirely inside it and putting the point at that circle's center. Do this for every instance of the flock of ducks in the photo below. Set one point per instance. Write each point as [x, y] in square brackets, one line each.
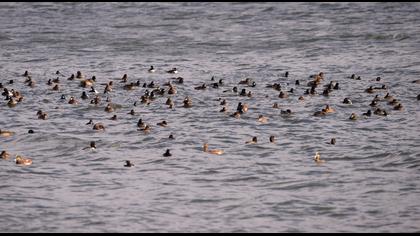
[153, 90]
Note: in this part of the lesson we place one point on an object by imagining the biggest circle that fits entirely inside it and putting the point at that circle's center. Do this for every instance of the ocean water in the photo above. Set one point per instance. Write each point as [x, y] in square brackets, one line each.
[368, 183]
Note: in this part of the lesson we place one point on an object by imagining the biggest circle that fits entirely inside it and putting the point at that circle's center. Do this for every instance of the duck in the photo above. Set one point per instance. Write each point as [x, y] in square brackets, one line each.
[398, 107]
[167, 153]
[320, 113]
[252, 141]
[223, 109]
[5, 155]
[301, 98]
[86, 83]
[26, 73]
[213, 151]
[151, 69]
[201, 87]
[171, 136]
[42, 115]
[370, 90]
[23, 161]
[388, 97]
[6, 133]
[163, 123]
[272, 139]
[71, 77]
[347, 101]
[146, 129]
[283, 95]
[79, 75]
[276, 105]
[89, 122]
[336, 86]
[380, 112]
[73, 101]
[286, 74]
[114, 117]
[332, 141]
[84, 96]
[297, 82]
[286, 112]
[132, 112]
[92, 146]
[262, 119]
[317, 158]
[236, 114]
[31, 131]
[368, 113]
[353, 116]
[172, 71]
[98, 126]
[141, 124]
[128, 164]
[109, 108]
[172, 90]
[246, 81]
[187, 102]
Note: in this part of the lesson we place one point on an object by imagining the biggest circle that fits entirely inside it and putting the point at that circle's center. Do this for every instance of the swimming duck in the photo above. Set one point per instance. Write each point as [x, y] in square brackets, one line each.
[96, 100]
[163, 123]
[353, 116]
[26, 73]
[172, 89]
[108, 88]
[380, 112]
[243, 92]
[93, 90]
[297, 82]
[214, 151]
[223, 109]
[23, 161]
[378, 78]
[187, 102]
[286, 74]
[368, 113]
[5, 155]
[262, 119]
[132, 112]
[272, 139]
[141, 124]
[109, 108]
[114, 117]
[201, 87]
[275, 105]
[283, 95]
[98, 126]
[151, 70]
[418, 97]
[347, 101]
[336, 87]
[223, 103]
[79, 75]
[247, 81]
[286, 112]
[393, 102]
[320, 113]
[146, 129]
[6, 133]
[252, 141]
[398, 107]
[71, 77]
[90, 122]
[73, 101]
[388, 97]
[167, 153]
[42, 115]
[128, 164]
[370, 90]
[332, 141]
[30, 131]
[171, 136]
[172, 71]
[317, 158]
[92, 146]
[84, 95]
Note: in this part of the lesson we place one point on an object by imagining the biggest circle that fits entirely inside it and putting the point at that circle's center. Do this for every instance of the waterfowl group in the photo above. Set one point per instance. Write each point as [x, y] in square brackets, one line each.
[243, 90]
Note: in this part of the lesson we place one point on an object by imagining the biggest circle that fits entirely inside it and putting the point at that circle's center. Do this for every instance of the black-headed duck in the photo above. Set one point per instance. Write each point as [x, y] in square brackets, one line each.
[89, 122]
[418, 97]
[167, 153]
[87, 83]
[98, 126]
[79, 75]
[378, 78]
[71, 77]
[243, 92]
[128, 164]
[84, 95]
[368, 113]
[252, 141]
[132, 112]
[223, 103]
[114, 117]
[92, 146]
[96, 100]
[171, 136]
[223, 109]
[172, 71]
[213, 151]
[56, 87]
[11, 81]
[31, 131]
[393, 102]
[353, 116]
[163, 123]
[151, 69]
[388, 97]
[380, 112]
[374, 103]
[336, 86]
[347, 101]
[26, 73]
[5, 155]
[283, 95]
[286, 112]
[317, 158]
[297, 82]
[332, 141]
[93, 90]
[108, 88]
[23, 161]
[141, 124]
[129, 86]
[272, 139]
[286, 74]
[172, 90]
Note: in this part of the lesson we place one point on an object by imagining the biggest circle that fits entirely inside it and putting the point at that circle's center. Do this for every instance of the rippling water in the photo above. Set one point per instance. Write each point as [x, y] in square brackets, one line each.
[369, 182]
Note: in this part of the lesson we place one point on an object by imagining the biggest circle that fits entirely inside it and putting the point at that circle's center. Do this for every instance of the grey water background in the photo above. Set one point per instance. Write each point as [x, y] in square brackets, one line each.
[369, 182]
